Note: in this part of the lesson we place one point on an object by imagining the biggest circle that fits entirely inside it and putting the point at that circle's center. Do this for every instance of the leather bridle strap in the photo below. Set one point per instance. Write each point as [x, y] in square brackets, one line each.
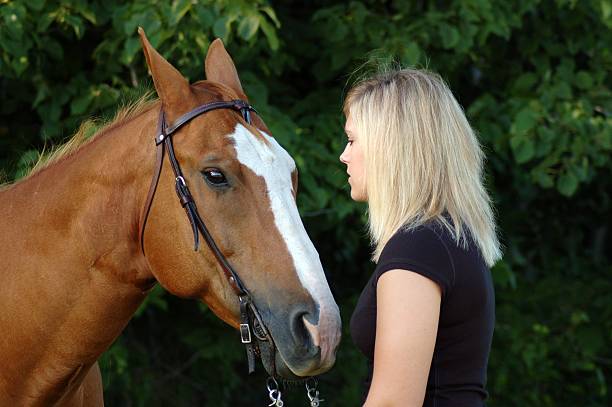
[164, 139]
[237, 104]
[159, 162]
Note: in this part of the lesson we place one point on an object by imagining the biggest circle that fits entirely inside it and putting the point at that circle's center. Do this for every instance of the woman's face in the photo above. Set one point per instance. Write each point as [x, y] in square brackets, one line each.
[352, 156]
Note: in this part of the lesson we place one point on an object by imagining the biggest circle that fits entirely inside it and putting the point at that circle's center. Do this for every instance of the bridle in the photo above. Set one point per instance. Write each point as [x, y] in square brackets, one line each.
[250, 318]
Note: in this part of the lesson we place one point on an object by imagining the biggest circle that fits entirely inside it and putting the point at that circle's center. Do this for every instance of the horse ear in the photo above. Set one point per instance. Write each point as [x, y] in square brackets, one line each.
[172, 88]
[220, 67]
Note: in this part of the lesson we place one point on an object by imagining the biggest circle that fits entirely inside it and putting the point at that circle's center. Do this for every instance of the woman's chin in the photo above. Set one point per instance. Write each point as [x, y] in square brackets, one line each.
[357, 196]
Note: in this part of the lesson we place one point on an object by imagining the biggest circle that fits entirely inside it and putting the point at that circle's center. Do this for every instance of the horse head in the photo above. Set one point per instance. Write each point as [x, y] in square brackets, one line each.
[244, 185]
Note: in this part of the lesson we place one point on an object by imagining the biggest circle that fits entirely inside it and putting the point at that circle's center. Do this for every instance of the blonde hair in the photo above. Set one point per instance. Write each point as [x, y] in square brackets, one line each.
[422, 159]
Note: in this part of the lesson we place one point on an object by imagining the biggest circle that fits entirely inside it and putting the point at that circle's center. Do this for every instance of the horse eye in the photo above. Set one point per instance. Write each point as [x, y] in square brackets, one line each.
[215, 178]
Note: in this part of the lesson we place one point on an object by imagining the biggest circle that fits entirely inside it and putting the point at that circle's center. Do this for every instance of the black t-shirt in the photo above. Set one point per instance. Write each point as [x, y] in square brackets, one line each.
[458, 370]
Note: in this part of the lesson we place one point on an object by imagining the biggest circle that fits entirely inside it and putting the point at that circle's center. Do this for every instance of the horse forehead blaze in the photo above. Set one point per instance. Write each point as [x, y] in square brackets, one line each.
[267, 159]
[263, 155]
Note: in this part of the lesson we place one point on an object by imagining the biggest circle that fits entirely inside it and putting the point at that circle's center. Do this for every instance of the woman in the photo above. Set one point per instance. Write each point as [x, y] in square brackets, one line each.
[425, 319]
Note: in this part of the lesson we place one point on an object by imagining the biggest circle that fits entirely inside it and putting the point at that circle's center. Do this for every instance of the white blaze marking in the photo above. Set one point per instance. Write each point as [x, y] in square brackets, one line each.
[275, 165]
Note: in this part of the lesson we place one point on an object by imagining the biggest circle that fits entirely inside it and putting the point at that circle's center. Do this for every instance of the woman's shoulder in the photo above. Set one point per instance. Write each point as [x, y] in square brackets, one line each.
[425, 239]
[422, 249]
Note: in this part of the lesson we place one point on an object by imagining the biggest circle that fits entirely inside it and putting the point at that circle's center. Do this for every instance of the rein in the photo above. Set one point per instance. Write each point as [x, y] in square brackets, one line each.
[250, 318]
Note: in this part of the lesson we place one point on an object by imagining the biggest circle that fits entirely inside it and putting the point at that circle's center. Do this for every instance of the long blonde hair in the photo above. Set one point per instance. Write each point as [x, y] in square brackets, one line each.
[422, 159]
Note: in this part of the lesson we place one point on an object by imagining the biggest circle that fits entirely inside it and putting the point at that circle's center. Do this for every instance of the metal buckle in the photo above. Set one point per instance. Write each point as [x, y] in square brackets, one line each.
[245, 333]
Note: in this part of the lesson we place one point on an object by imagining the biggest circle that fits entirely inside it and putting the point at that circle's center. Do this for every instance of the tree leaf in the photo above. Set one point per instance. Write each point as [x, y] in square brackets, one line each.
[77, 25]
[524, 121]
[270, 34]
[35, 5]
[584, 80]
[563, 90]
[248, 26]
[523, 148]
[270, 12]
[131, 48]
[205, 17]
[412, 53]
[81, 104]
[449, 35]
[567, 184]
[543, 179]
[221, 28]
[525, 82]
[178, 10]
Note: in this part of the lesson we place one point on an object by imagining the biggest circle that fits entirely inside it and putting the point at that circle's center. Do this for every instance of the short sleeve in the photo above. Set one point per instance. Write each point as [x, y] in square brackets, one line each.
[421, 250]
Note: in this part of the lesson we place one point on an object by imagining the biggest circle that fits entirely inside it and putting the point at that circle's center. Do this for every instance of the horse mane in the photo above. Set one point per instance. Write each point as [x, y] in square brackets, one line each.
[88, 131]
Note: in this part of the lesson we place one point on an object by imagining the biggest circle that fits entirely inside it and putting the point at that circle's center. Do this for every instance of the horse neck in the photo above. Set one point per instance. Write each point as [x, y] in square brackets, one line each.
[72, 273]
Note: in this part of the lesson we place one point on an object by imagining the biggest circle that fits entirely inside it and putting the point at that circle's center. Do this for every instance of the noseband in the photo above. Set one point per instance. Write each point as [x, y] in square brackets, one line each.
[250, 318]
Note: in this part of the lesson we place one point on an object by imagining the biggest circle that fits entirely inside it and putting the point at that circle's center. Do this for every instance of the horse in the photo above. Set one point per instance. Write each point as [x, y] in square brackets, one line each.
[84, 239]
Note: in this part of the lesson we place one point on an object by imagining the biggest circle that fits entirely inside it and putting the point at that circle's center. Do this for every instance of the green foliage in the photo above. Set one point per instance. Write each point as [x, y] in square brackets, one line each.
[533, 76]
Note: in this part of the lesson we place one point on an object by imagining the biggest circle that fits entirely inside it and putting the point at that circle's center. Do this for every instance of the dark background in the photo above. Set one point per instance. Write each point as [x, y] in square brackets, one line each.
[533, 77]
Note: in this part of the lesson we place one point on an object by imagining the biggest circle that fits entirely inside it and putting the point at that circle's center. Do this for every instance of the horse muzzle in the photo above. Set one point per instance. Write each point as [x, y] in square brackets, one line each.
[304, 343]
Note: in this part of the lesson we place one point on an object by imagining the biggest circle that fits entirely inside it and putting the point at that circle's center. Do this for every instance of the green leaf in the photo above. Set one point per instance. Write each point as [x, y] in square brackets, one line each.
[270, 12]
[11, 47]
[178, 10]
[523, 148]
[35, 5]
[132, 46]
[54, 49]
[545, 141]
[563, 90]
[13, 26]
[43, 92]
[270, 34]
[77, 25]
[81, 104]
[131, 25]
[525, 82]
[411, 53]
[50, 111]
[248, 26]
[20, 64]
[606, 10]
[590, 338]
[567, 184]
[584, 80]
[450, 36]
[89, 15]
[221, 28]
[543, 179]
[152, 27]
[546, 135]
[524, 121]
[205, 17]
[503, 274]
[44, 22]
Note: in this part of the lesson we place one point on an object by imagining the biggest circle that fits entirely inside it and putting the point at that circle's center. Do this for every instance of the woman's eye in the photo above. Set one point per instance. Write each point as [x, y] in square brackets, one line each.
[215, 178]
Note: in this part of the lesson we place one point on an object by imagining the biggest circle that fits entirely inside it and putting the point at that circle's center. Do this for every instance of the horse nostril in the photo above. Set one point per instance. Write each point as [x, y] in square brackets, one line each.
[305, 330]
[313, 330]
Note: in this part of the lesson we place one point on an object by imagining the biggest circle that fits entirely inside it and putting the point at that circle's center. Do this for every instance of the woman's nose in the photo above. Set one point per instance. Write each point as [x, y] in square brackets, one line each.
[344, 155]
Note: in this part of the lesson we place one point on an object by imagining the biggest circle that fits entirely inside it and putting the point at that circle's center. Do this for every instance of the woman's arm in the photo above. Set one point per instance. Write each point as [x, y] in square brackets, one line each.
[408, 310]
